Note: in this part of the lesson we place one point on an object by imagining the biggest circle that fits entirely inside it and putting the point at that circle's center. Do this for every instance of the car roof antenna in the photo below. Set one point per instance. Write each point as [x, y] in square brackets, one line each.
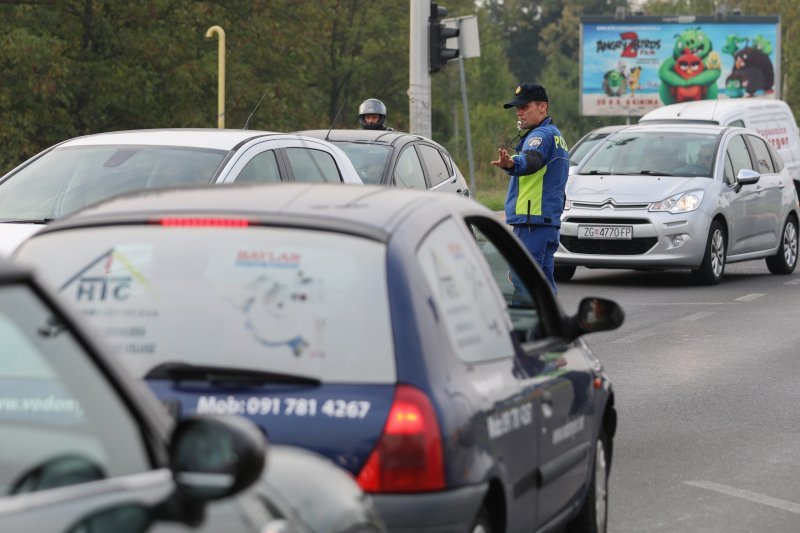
[336, 118]
[713, 111]
[246, 122]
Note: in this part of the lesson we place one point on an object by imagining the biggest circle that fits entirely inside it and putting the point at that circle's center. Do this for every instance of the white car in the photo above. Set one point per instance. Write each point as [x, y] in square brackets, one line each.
[84, 170]
[679, 196]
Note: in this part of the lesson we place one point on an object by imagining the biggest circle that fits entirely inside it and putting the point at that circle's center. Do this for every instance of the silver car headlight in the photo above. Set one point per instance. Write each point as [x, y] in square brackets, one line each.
[679, 203]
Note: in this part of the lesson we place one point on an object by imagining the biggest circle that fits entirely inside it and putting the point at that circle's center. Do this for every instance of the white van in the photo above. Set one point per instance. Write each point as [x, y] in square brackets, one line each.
[773, 119]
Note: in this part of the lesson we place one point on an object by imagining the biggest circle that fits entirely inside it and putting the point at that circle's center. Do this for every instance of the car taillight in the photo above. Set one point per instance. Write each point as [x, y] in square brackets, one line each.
[408, 456]
[203, 222]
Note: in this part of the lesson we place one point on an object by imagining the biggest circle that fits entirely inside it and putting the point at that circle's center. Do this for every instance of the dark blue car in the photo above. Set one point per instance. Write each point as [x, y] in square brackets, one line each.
[375, 326]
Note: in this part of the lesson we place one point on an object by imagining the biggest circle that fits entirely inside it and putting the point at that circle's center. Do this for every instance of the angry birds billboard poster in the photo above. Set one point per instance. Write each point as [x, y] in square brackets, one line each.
[631, 66]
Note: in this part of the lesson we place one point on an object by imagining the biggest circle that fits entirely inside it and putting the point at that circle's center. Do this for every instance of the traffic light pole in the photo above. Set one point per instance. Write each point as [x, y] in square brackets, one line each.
[419, 79]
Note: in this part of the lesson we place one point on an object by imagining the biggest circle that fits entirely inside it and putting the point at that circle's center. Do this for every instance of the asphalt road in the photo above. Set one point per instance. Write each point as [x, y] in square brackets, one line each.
[707, 383]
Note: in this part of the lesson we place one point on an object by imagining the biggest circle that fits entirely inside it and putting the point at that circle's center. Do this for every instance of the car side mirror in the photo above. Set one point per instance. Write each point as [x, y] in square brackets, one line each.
[213, 457]
[598, 314]
[745, 176]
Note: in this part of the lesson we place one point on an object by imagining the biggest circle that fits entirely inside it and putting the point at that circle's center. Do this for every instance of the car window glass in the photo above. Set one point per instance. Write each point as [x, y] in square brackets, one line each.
[449, 162]
[313, 166]
[69, 178]
[263, 168]
[522, 308]
[730, 177]
[580, 150]
[369, 160]
[465, 299]
[740, 156]
[408, 170]
[737, 124]
[777, 160]
[437, 170]
[62, 423]
[763, 159]
[300, 302]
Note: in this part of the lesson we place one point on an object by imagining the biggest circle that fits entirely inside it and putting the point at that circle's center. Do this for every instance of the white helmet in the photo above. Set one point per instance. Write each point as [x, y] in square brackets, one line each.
[372, 106]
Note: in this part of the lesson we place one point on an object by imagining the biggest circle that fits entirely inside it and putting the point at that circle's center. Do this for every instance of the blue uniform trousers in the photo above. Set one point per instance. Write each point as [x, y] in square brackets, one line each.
[542, 243]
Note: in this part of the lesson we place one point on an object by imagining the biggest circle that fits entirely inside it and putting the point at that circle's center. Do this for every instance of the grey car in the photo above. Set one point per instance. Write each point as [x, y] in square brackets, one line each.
[397, 159]
[686, 196]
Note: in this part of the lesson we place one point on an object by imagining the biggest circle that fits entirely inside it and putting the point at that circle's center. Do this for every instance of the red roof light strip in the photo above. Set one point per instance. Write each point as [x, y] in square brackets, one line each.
[204, 222]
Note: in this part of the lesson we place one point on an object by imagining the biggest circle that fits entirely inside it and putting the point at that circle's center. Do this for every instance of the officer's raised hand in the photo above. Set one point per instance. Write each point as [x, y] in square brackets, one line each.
[504, 161]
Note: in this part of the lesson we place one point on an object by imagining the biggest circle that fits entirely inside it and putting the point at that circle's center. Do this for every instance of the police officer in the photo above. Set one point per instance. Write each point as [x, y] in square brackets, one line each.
[538, 172]
[372, 115]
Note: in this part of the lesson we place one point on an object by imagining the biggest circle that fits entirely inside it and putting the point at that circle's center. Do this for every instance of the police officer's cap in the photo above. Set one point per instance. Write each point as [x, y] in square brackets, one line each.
[527, 92]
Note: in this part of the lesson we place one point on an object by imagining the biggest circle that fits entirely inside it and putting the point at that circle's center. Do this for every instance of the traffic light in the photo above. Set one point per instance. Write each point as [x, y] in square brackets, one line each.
[438, 34]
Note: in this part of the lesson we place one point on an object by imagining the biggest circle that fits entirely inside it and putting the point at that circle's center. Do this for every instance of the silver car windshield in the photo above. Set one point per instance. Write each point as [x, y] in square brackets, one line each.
[654, 154]
[69, 178]
[369, 160]
[298, 302]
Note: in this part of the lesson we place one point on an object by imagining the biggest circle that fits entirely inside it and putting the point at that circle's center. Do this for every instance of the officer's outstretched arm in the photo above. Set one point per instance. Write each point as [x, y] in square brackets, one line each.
[528, 162]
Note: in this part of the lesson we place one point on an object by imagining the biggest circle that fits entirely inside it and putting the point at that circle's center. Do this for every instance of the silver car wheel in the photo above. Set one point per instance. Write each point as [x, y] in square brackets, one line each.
[717, 253]
[479, 529]
[600, 486]
[790, 244]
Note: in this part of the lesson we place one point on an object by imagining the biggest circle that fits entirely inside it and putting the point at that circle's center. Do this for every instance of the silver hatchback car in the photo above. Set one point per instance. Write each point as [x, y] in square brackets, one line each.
[689, 196]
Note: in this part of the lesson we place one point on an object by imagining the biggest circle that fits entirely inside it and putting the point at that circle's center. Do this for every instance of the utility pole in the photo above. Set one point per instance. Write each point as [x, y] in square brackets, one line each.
[419, 90]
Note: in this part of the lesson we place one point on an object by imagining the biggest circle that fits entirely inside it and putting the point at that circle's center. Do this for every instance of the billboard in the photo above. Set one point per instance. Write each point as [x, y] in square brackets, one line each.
[632, 65]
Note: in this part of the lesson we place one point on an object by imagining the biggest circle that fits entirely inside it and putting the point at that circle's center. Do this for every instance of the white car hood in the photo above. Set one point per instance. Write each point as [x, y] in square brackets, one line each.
[13, 234]
[630, 189]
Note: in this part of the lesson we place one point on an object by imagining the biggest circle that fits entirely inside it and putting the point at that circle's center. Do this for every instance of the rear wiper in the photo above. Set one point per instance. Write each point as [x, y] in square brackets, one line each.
[225, 375]
[30, 221]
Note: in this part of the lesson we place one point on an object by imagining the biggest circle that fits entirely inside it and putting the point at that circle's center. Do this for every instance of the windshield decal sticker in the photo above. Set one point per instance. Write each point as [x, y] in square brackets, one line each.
[270, 306]
[110, 281]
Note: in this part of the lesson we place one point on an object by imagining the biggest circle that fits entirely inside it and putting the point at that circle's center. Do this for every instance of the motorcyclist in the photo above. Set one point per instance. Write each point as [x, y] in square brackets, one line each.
[372, 115]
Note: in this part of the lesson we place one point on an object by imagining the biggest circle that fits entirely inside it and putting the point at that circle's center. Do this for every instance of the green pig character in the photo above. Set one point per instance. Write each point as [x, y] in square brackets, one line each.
[614, 83]
[691, 41]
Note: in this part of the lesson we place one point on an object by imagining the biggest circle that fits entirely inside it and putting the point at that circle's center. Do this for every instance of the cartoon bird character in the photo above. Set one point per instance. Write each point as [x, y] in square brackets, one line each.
[733, 85]
[696, 42]
[614, 83]
[688, 66]
[633, 79]
[755, 70]
[714, 61]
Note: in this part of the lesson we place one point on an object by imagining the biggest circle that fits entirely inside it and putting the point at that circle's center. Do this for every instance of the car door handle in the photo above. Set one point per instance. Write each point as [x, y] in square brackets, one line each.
[547, 398]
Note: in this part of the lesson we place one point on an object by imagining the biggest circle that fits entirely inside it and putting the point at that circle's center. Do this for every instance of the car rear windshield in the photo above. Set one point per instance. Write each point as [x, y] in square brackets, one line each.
[310, 304]
[369, 159]
[69, 178]
[654, 153]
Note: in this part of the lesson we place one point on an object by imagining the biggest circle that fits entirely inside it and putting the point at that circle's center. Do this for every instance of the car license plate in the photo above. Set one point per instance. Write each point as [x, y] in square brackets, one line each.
[605, 232]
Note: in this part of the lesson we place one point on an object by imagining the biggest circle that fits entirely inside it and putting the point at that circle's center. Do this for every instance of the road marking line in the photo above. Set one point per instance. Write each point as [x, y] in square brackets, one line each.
[750, 297]
[747, 495]
[696, 316]
[636, 337]
[795, 281]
